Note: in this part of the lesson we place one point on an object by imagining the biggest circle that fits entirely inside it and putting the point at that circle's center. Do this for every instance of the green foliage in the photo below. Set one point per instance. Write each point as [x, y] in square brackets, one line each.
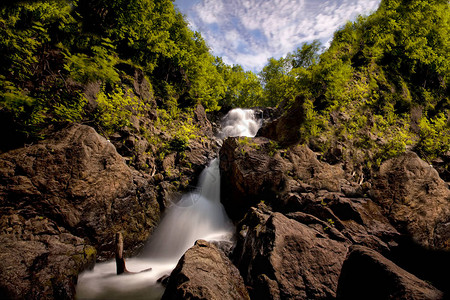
[52, 49]
[374, 72]
[278, 84]
[306, 56]
[183, 134]
[273, 148]
[243, 88]
[246, 141]
[26, 65]
[73, 111]
[114, 109]
[313, 124]
[434, 136]
[99, 66]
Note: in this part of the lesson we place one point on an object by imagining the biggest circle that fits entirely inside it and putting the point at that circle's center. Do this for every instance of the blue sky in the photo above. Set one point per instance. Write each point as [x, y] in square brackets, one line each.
[248, 32]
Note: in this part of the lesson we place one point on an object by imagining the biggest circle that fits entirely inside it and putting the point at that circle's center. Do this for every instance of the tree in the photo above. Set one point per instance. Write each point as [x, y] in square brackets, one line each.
[307, 55]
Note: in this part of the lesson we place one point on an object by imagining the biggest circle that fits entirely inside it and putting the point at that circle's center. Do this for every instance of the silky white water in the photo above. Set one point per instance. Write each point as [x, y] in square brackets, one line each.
[198, 215]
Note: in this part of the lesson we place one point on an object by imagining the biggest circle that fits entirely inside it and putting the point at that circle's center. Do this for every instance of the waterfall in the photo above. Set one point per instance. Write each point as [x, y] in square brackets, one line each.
[198, 215]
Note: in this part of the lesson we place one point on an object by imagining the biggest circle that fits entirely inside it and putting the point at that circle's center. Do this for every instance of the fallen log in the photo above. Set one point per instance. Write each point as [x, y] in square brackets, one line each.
[120, 260]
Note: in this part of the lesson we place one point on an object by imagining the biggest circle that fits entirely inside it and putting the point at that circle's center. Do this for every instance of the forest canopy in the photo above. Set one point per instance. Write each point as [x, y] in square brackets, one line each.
[379, 69]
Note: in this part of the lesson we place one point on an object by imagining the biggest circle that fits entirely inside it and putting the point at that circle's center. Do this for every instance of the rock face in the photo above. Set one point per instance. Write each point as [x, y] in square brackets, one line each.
[57, 199]
[285, 259]
[248, 174]
[415, 199]
[382, 279]
[39, 259]
[204, 272]
[297, 216]
[285, 129]
[254, 170]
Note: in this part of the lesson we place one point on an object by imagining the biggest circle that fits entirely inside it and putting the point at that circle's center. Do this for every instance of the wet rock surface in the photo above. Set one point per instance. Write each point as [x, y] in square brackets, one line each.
[382, 279]
[297, 217]
[61, 198]
[415, 199]
[288, 259]
[204, 272]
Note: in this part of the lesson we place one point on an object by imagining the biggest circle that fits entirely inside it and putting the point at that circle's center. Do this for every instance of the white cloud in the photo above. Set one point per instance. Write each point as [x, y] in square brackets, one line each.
[248, 32]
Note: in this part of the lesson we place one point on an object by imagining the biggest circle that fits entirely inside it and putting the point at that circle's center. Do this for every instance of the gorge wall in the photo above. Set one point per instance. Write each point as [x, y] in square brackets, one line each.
[305, 229]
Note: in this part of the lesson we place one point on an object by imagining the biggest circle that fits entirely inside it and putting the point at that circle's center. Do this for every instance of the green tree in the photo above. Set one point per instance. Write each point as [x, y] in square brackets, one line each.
[306, 56]
[243, 88]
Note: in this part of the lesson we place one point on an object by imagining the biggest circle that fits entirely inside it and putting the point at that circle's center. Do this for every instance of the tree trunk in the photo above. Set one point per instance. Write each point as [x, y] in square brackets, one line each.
[120, 260]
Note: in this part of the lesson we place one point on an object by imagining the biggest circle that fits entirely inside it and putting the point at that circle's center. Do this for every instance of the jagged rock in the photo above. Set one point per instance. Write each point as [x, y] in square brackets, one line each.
[281, 258]
[143, 88]
[253, 170]
[197, 155]
[204, 272]
[248, 174]
[39, 259]
[78, 183]
[308, 169]
[415, 199]
[285, 129]
[202, 120]
[442, 165]
[360, 220]
[366, 274]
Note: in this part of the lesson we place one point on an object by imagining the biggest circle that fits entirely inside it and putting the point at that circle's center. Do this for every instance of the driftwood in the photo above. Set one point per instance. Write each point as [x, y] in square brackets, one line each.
[120, 259]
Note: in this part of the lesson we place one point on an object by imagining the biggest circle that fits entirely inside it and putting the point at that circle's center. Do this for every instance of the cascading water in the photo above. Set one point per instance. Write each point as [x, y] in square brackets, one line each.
[198, 215]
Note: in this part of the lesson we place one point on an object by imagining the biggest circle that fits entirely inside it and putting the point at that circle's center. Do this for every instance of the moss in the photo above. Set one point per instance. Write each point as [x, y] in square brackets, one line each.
[246, 141]
[90, 253]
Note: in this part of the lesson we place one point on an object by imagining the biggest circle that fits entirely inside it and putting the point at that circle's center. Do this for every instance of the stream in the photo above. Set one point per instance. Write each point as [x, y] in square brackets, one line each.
[198, 215]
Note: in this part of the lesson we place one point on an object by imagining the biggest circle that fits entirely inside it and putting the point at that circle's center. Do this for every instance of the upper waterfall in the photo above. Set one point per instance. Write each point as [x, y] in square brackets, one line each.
[240, 122]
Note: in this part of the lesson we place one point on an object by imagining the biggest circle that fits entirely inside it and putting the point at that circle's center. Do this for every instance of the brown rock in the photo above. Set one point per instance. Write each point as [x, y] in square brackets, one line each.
[39, 260]
[308, 169]
[248, 174]
[79, 184]
[363, 223]
[288, 259]
[285, 129]
[204, 272]
[253, 170]
[143, 88]
[366, 274]
[202, 121]
[415, 199]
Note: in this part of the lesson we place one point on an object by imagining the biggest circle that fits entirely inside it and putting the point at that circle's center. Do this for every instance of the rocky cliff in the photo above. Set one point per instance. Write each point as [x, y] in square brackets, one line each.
[305, 229]
[310, 230]
[63, 199]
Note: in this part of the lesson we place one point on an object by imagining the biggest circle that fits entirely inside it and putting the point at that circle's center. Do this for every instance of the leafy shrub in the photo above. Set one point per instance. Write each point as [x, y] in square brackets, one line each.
[115, 109]
[434, 136]
[99, 66]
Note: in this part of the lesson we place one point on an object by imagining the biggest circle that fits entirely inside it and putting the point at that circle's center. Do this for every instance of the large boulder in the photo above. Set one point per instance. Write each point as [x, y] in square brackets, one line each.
[357, 220]
[366, 274]
[39, 259]
[249, 174]
[286, 129]
[253, 169]
[61, 195]
[204, 272]
[415, 199]
[281, 258]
